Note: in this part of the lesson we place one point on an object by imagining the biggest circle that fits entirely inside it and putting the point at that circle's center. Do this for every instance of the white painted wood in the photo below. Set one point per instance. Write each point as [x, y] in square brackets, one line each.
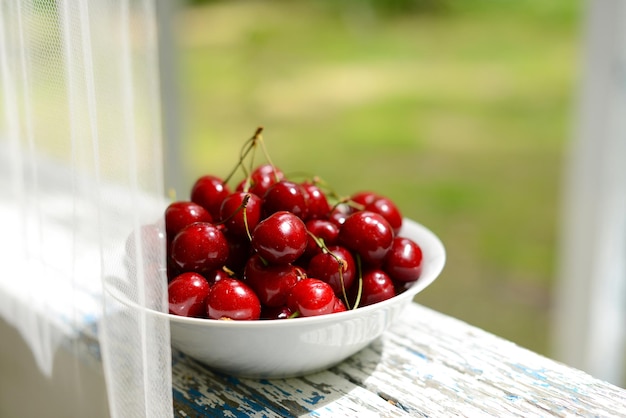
[590, 306]
[428, 364]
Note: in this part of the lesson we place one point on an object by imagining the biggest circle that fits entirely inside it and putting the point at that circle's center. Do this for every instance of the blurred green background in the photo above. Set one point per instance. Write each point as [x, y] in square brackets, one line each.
[459, 111]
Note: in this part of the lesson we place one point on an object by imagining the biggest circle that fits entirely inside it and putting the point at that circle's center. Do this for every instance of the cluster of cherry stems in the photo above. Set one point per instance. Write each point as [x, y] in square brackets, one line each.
[274, 248]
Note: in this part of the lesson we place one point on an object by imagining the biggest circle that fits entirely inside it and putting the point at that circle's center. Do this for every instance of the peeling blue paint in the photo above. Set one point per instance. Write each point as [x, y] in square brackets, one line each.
[315, 399]
[535, 374]
[266, 382]
[512, 397]
[417, 353]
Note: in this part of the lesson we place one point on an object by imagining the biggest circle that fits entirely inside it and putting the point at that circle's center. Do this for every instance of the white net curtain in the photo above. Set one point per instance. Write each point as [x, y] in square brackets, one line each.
[81, 198]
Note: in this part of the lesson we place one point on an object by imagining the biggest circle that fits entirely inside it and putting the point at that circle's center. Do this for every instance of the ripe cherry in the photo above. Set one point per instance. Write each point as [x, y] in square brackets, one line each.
[377, 286]
[208, 191]
[311, 297]
[280, 238]
[261, 179]
[339, 306]
[232, 213]
[286, 196]
[368, 234]
[280, 312]
[239, 251]
[322, 229]
[317, 203]
[271, 282]
[187, 294]
[364, 198]
[199, 247]
[232, 299]
[171, 268]
[182, 213]
[339, 214]
[388, 209]
[404, 261]
[336, 267]
[215, 276]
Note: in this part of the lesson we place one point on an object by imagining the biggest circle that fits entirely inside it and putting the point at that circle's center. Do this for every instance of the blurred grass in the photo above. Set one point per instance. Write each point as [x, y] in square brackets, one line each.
[460, 114]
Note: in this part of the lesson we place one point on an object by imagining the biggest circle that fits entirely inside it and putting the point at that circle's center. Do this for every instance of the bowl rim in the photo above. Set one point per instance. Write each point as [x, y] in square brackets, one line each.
[436, 259]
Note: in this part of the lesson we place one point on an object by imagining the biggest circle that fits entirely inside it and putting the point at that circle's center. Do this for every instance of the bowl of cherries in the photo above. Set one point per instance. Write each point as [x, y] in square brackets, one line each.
[273, 276]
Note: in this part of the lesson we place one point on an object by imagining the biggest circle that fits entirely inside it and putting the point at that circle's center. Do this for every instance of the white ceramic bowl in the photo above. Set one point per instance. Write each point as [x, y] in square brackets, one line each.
[283, 348]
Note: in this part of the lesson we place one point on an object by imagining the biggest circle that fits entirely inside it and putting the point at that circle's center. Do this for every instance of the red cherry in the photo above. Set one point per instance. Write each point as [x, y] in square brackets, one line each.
[280, 312]
[338, 274]
[215, 276]
[322, 229]
[339, 214]
[317, 203]
[239, 251]
[311, 297]
[209, 192]
[280, 238]
[377, 286]
[388, 209]
[180, 214]
[267, 171]
[187, 295]
[339, 306]
[172, 268]
[286, 196]
[261, 179]
[364, 198]
[271, 282]
[232, 213]
[368, 234]
[404, 261]
[232, 299]
[199, 247]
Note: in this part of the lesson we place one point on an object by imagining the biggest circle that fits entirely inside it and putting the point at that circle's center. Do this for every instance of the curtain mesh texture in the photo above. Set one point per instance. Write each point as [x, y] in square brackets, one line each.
[82, 201]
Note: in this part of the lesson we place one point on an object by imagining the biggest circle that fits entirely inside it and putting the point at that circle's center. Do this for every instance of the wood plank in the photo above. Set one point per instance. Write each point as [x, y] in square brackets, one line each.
[427, 365]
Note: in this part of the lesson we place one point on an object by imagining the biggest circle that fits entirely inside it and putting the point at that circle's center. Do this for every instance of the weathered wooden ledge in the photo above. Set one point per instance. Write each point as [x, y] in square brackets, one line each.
[428, 365]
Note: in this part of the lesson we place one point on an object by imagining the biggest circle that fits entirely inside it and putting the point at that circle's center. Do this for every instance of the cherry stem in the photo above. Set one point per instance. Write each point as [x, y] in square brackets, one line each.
[318, 241]
[301, 175]
[259, 138]
[242, 206]
[352, 204]
[340, 261]
[228, 271]
[247, 147]
[247, 173]
[318, 181]
[245, 216]
[359, 293]
[343, 286]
